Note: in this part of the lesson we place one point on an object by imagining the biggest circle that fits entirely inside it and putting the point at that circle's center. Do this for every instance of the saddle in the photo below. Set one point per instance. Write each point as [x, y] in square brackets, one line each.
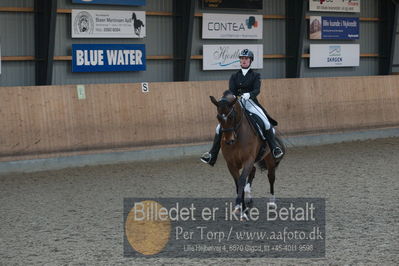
[259, 127]
[257, 124]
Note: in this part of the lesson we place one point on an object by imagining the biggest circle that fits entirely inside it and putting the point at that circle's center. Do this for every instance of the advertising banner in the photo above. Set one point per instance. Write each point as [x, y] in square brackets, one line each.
[333, 28]
[239, 4]
[334, 55]
[335, 5]
[112, 2]
[225, 56]
[108, 57]
[231, 26]
[108, 24]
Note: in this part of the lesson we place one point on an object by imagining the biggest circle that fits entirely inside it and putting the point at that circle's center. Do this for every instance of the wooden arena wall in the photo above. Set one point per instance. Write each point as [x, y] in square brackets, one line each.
[47, 121]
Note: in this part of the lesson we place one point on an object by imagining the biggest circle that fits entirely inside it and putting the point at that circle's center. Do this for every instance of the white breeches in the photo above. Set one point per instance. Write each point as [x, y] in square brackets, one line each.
[253, 108]
[218, 129]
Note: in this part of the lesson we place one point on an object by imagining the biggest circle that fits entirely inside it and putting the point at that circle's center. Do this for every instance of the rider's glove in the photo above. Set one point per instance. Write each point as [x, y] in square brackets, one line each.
[246, 96]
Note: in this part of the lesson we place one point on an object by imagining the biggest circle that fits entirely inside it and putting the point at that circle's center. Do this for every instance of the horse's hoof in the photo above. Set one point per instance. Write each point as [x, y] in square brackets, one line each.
[237, 209]
[243, 217]
[250, 204]
[272, 200]
[247, 188]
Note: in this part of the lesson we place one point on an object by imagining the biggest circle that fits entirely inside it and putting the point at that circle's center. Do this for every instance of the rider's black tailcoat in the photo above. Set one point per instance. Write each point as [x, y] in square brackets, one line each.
[240, 84]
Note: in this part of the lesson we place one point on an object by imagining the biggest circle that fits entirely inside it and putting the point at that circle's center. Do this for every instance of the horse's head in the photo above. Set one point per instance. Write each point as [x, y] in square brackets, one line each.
[227, 117]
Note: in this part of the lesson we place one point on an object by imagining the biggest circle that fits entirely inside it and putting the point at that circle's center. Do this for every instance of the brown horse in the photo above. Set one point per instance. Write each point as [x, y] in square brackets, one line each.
[241, 146]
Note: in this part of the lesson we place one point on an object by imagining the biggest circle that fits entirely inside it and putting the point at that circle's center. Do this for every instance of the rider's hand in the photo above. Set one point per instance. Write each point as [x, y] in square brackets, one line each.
[230, 97]
[246, 96]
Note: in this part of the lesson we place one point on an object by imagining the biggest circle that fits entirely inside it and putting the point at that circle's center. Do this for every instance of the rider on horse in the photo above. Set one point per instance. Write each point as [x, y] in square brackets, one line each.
[246, 83]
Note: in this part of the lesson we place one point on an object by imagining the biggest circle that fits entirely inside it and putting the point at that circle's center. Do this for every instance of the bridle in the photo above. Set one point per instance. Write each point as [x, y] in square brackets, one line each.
[238, 125]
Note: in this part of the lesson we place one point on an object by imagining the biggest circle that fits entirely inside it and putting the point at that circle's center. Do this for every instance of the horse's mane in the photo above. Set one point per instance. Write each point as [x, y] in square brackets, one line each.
[227, 93]
[227, 97]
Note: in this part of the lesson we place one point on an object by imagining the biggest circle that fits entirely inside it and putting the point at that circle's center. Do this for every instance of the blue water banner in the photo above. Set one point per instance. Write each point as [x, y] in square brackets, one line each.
[108, 57]
[112, 2]
[333, 28]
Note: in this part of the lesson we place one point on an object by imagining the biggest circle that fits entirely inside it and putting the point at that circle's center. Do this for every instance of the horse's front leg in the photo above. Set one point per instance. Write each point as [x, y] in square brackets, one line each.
[241, 184]
[248, 186]
[235, 173]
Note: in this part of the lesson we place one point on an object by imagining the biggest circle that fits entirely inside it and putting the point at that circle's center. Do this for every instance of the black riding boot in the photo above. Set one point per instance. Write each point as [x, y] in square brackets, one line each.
[211, 156]
[271, 140]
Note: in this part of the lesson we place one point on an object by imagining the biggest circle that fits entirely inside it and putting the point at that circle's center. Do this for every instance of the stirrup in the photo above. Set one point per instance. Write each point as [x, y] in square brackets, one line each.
[206, 157]
[277, 152]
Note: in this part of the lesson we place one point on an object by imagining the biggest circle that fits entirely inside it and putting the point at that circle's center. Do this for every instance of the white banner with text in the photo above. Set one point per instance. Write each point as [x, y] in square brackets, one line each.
[231, 26]
[108, 24]
[334, 55]
[335, 5]
[225, 56]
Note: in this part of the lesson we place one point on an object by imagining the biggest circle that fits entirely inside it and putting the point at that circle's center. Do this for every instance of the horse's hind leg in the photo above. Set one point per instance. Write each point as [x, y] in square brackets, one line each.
[248, 187]
[271, 174]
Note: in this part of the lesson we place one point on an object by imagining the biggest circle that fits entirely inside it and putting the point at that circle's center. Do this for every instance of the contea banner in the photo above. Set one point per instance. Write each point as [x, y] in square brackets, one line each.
[112, 2]
[225, 56]
[334, 55]
[335, 5]
[338, 28]
[231, 26]
[108, 24]
[108, 57]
